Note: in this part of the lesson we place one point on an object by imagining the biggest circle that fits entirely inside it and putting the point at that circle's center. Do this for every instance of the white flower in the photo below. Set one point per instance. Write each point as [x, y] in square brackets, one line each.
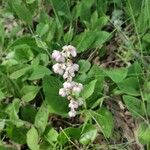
[78, 88]
[80, 101]
[76, 67]
[59, 68]
[67, 69]
[57, 56]
[68, 85]
[73, 104]
[72, 113]
[72, 50]
[62, 92]
[69, 50]
[66, 75]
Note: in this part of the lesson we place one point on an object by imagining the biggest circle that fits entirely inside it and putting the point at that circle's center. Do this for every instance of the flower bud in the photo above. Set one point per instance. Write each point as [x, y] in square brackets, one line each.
[76, 67]
[72, 113]
[58, 68]
[62, 92]
[73, 104]
[69, 50]
[80, 101]
[68, 85]
[72, 50]
[57, 56]
[77, 88]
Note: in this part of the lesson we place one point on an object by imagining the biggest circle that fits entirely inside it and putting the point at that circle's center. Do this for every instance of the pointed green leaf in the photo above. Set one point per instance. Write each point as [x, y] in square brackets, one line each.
[33, 139]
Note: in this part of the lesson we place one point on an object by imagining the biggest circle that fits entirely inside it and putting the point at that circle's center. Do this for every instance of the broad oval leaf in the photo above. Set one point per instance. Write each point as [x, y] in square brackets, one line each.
[33, 139]
[117, 74]
[88, 135]
[56, 103]
[69, 134]
[134, 105]
[104, 120]
[144, 133]
[88, 89]
[84, 66]
[130, 86]
[42, 117]
[39, 72]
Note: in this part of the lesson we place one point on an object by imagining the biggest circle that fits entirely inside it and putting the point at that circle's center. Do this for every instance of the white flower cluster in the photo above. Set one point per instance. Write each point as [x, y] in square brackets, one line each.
[67, 69]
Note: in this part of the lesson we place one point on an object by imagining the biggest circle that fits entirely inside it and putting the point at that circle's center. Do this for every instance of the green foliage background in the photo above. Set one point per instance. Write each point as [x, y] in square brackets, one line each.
[29, 102]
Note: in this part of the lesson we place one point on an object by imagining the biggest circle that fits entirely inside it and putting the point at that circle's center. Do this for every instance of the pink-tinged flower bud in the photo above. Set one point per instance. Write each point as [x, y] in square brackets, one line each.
[72, 50]
[73, 104]
[80, 101]
[58, 68]
[70, 71]
[68, 85]
[69, 50]
[62, 92]
[57, 56]
[76, 67]
[78, 88]
[72, 113]
[66, 75]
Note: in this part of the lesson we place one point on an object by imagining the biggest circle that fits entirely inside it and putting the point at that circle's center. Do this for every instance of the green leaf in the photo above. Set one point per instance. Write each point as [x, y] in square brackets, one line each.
[39, 72]
[84, 40]
[134, 105]
[61, 8]
[117, 74]
[30, 1]
[101, 38]
[96, 72]
[2, 124]
[28, 113]
[130, 86]
[28, 40]
[84, 65]
[56, 103]
[4, 147]
[17, 74]
[42, 117]
[41, 44]
[69, 35]
[23, 12]
[94, 18]
[51, 136]
[88, 135]
[23, 53]
[2, 34]
[102, 21]
[13, 110]
[2, 95]
[105, 121]
[69, 133]
[90, 39]
[144, 133]
[83, 10]
[16, 134]
[29, 92]
[88, 89]
[33, 139]
[42, 29]
[146, 37]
